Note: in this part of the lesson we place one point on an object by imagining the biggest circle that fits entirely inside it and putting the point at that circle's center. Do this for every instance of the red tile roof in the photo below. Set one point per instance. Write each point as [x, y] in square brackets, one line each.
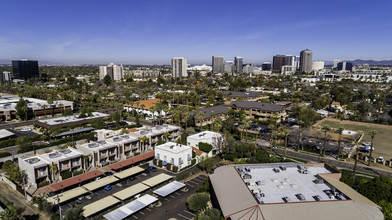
[132, 160]
[74, 180]
[198, 152]
[147, 103]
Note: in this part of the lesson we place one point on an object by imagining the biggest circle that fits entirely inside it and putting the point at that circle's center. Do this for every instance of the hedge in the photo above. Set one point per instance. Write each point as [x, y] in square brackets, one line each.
[205, 147]
[4, 154]
[66, 175]
[175, 169]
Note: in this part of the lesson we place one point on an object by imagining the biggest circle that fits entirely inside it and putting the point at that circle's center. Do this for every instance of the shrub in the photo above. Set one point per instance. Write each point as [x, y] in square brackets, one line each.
[193, 161]
[205, 147]
[66, 175]
[43, 183]
[213, 152]
[193, 154]
[155, 161]
[4, 154]
[175, 169]
[197, 201]
[160, 163]
[145, 165]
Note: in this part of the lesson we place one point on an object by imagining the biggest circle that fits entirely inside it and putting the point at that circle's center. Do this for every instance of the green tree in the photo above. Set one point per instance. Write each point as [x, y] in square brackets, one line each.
[107, 80]
[22, 109]
[73, 213]
[207, 164]
[210, 214]
[12, 171]
[372, 134]
[10, 214]
[197, 201]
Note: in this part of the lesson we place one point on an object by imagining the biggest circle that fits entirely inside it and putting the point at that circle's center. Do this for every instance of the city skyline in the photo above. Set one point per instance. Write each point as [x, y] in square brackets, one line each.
[155, 32]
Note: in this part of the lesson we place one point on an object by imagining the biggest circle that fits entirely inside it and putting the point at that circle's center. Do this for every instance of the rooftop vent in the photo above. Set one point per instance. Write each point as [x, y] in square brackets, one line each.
[116, 139]
[93, 145]
[65, 151]
[125, 136]
[54, 155]
[33, 160]
[101, 142]
[286, 199]
[300, 197]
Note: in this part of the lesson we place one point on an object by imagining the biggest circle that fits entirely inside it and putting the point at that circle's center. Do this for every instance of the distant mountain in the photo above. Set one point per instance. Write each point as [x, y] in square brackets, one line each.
[372, 62]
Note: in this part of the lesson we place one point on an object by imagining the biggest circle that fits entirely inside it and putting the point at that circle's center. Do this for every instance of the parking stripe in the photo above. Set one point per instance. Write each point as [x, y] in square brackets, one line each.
[178, 194]
[189, 213]
[199, 181]
[142, 213]
[190, 185]
[184, 216]
[148, 209]
[196, 183]
[134, 216]
[167, 200]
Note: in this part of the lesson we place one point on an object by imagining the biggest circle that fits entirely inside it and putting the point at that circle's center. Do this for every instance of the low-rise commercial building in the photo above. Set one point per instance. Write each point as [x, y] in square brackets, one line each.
[61, 122]
[244, 96]
[174, 153]
[287, 191]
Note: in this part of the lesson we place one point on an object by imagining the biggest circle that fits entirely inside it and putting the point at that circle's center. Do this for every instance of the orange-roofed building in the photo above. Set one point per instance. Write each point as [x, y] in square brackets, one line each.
[144, 107]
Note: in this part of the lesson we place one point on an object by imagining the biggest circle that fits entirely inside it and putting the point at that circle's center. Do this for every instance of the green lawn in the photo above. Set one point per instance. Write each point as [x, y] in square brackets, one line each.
[382, 141]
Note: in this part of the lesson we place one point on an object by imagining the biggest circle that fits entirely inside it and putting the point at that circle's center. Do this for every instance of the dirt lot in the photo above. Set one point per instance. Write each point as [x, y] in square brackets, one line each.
[382, 141]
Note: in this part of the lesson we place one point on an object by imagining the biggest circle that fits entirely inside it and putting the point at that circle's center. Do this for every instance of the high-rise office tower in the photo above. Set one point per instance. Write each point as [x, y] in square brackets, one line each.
[179, 67]
[217, 64]
[266, 66]
[278, 62]
[25, 69]
[290, 60]
[335, 63]
[115, 72]
[238, 62]
[344, 66]
[306, 61]
[229, 67]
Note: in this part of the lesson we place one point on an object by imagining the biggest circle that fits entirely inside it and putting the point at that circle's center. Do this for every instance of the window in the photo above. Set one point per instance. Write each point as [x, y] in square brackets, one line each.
[172, 160]
[189, 156]
[42, 172]
[179, 160]
[164, 158]
[158, 156]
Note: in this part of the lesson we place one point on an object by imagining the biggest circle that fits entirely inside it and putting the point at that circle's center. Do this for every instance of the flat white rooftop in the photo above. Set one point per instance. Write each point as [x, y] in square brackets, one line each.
[172, 147]
[287, 183]
[74, 118]
[204, 135]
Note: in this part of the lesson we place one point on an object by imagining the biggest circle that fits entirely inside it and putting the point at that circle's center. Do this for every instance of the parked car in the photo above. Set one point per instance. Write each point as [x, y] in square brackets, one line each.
[108, 187]
[380, 159]
[150, 168]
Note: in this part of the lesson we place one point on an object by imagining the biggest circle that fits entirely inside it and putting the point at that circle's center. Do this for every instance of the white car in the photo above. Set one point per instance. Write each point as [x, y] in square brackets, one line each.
[380, 159]
[25, 129]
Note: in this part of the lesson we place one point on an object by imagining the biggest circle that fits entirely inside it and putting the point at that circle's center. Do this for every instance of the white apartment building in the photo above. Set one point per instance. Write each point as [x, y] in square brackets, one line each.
[115, 72]
[128, 145]
[209, 137]
[101, 152]
[38, 170]
[173, 153]
[158, 132]
[179, 66]
[317, 65]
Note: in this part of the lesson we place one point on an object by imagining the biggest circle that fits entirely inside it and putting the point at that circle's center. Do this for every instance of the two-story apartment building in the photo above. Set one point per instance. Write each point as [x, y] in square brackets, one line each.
[260, 110]
[210, 114]
[243, 96]
[174, 153]
[128, 145]
[101, 152]
[39, 168]
[158, 132]
[209, 137]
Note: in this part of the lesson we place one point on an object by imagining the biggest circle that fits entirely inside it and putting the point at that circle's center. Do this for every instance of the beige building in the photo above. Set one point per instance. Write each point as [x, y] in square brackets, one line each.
[260, 110]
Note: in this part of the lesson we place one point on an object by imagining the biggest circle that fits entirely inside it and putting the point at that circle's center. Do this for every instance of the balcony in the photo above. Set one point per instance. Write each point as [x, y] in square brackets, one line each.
[112, 153]
[64, 167]
[128, 148]
[189, 159]
[75, 164]
[103, 156]
[40, 174]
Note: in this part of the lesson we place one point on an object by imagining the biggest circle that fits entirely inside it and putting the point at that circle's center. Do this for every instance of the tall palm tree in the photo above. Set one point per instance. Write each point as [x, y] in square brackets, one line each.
[325, 128]
[285, 132]
[53, 171]
[166, 136]
[86, 159]
[143, 140]
[152, 109]
[247, 123]
[272, 127]
[340, 131]
[356, 159]
[200, 118]
[372, 135]
[300, 124]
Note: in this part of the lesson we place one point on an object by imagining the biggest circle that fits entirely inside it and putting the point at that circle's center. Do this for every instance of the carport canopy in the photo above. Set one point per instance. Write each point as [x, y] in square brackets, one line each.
[153, 181]
[99, 205]
[129, 172]
[169, 188]
[100, 183]
[131, 191]
[68, 195]
[130, 208]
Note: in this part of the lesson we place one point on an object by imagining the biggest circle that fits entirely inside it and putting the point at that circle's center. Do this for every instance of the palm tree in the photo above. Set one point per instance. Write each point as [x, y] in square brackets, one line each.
[212, 113]
[300, 123]
[152, 109]
[200, 118]
[143, 140]
[246, 125]
[372, 135]
[285, 132]
[272, 127]
[217, 124]
[166, 135]
[86, 159]
[325, 128]
[53, 170]
[340, 132]
[356, 159]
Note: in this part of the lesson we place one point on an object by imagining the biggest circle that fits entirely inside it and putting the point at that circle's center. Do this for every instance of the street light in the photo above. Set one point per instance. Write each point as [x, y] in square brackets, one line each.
[57, 202]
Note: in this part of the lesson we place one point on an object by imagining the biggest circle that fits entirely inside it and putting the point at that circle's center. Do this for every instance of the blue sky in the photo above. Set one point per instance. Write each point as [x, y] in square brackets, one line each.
[152, 32]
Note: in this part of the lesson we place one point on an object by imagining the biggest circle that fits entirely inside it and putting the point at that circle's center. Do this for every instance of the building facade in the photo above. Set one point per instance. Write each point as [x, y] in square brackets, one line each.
[306, 57]
[259, 110]
[238, 63]
[179, 66]
[318, 65]
[229, 67]
[278, 62]
[174, 153]
[115, 72]
[217, 64]
[25, 69]
[209, 137]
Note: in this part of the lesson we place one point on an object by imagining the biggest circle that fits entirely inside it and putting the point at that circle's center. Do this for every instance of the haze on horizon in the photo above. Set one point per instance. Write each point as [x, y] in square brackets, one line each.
[153, 32]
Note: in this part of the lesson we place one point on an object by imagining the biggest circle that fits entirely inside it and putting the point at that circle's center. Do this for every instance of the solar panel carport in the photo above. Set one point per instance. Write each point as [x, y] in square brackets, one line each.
[68, 195]
[99, 205]
[130, 208]
[169, 188]
[131, 191]
[153, 181]
[100, 183]
[128, 172]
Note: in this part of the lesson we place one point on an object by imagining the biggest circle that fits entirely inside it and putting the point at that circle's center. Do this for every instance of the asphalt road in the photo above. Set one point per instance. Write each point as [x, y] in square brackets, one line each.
[341, 164]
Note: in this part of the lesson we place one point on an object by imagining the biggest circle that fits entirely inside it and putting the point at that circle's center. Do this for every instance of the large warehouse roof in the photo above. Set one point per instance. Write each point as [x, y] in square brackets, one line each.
[246, 192]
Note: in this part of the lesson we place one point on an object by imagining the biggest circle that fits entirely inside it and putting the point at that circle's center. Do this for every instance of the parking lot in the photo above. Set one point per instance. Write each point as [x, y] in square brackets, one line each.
[102, 193]
[174, 205]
